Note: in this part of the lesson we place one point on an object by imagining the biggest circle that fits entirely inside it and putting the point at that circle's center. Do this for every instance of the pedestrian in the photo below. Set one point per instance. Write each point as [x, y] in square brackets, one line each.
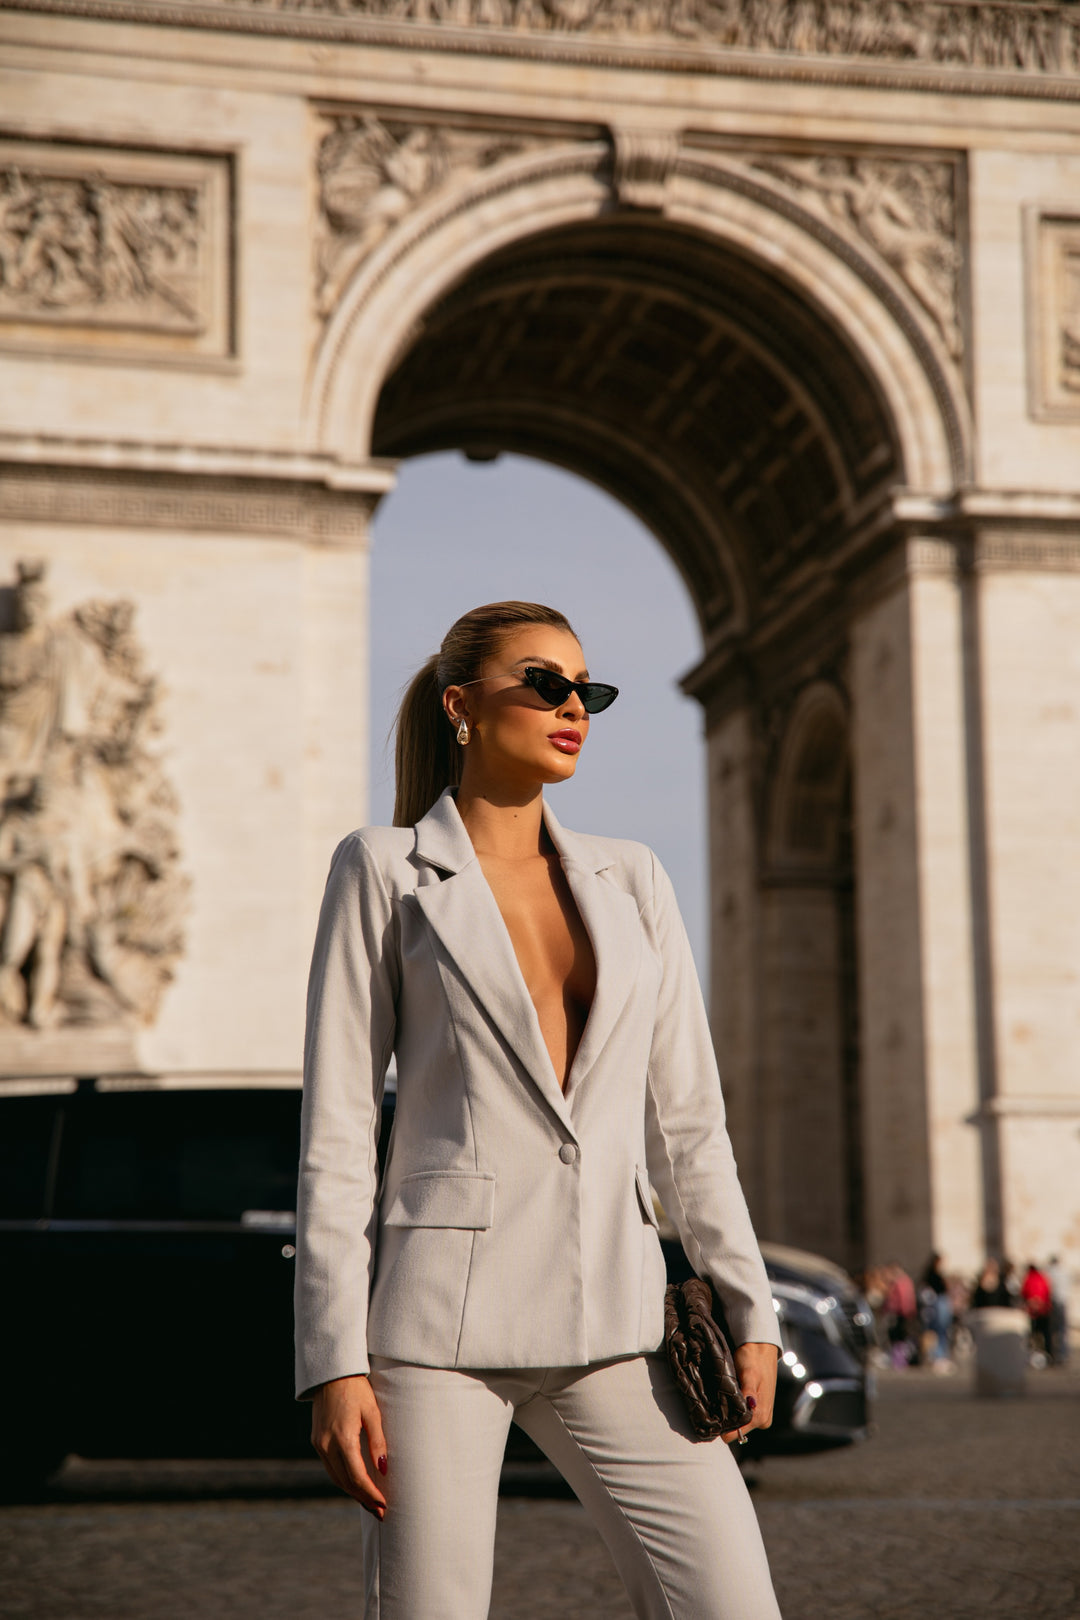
[1011, 1282]
[990, 1288]
[1038, 1299]
[901, 1317]
[553, 1058]
[1059, 1311]
[936, 1309]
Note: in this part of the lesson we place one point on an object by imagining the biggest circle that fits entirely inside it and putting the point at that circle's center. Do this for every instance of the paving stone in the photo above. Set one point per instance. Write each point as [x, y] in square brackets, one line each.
[955, 1507]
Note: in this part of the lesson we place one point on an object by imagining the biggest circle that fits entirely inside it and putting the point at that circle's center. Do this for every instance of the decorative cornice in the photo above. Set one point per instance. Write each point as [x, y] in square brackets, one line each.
[1026, 553]
[146, 498]
[374, 477]
[972, 47]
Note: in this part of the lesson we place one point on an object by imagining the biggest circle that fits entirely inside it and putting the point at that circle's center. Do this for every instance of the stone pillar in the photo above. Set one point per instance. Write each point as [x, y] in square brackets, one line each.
[919, 1049]
[1027, 644]
[802, 1054]
[734, 1008]
[240, 604]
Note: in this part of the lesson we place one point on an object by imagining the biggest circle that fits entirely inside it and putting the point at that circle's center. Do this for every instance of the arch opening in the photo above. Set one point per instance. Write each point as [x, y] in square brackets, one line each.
[707, 391]
[698, 387]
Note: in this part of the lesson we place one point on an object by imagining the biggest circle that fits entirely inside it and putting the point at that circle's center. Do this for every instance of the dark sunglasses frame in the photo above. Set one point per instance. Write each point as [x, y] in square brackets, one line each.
[554, 689]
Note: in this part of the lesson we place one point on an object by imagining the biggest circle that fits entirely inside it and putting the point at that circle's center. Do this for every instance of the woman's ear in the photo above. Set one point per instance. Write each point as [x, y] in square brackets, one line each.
[454, 705]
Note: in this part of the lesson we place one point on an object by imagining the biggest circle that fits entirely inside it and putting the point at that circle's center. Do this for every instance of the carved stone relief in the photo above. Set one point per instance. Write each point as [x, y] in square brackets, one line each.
[91, 894]
[373, 172]
[906, 209]
[1054, 302]
[1016, 36]
[117, 248]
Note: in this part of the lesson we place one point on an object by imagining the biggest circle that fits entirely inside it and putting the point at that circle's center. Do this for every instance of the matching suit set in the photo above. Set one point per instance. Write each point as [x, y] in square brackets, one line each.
[507, 1264]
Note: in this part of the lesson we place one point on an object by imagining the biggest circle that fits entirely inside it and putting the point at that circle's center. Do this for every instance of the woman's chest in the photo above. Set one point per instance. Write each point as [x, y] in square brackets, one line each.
[546, 930]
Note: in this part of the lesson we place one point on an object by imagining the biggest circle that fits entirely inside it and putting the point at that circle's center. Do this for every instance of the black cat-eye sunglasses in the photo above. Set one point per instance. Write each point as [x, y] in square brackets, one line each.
[554, 689]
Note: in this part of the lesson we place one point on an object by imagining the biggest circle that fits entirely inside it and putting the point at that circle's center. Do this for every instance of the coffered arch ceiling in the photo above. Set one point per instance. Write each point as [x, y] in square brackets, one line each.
[691, 382]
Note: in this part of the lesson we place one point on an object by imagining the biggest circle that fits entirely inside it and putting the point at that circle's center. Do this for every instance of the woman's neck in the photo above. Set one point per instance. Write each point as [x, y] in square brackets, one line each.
[504, 826]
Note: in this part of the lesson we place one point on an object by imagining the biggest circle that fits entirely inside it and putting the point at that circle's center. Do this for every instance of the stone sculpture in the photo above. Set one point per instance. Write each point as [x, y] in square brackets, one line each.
[83, 246]
[1021, 37]
[91, 895]
[905, 208]
[373, 172]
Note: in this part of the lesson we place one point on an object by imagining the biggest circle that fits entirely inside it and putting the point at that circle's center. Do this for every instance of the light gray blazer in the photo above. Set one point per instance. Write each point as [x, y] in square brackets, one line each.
[514, 1225]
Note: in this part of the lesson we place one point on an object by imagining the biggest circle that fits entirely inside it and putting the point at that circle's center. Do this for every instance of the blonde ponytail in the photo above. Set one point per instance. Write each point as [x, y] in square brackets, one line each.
[427, 757]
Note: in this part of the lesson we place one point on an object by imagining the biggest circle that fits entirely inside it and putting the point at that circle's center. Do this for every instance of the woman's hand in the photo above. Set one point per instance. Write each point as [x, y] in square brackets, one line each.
[756, 1367]
[344, 1409]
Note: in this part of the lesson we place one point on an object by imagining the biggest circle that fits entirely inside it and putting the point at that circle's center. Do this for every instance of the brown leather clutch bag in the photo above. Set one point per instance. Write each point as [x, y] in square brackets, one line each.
[701, 1360]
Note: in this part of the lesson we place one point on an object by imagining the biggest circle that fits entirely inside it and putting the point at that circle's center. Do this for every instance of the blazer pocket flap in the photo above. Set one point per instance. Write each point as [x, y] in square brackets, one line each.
[460, 1198]
[645, 1198]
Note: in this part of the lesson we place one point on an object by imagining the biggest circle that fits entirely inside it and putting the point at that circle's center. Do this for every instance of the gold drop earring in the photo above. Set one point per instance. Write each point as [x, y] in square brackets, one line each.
[463, 731]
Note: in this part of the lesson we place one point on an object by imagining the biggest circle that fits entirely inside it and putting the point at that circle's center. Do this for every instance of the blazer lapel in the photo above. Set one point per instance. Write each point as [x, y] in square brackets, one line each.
[463, 913]
[611, 919]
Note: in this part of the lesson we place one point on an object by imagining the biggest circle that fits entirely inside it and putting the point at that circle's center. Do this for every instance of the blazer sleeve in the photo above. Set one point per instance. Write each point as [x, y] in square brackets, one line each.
[352, 993]
[689, 1155]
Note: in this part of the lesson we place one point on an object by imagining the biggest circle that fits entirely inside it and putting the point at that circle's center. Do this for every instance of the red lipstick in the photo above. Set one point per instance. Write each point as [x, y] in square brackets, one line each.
[568, 741]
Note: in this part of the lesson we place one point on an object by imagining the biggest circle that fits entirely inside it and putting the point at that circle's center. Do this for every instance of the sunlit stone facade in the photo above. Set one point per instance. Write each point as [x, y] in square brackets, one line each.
[801, 285]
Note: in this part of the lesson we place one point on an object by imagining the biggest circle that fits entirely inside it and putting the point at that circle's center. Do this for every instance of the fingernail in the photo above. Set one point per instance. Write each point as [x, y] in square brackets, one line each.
[381, 1465]
[751, 1403]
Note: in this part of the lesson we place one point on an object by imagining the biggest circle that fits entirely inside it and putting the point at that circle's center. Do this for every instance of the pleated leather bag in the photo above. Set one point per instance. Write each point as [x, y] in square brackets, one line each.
[701, 1360]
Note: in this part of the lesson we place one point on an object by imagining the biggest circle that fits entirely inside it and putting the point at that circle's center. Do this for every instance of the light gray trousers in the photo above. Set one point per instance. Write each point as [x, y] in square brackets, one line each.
[673, 1511]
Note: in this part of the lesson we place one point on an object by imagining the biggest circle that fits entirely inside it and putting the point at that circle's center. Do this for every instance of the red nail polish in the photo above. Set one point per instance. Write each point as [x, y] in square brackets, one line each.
[751, 1403]
[381, 1465]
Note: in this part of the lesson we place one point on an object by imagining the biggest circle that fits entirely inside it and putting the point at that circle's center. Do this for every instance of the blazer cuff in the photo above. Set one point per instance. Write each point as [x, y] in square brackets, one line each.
[754, 1325]
[312, 1376]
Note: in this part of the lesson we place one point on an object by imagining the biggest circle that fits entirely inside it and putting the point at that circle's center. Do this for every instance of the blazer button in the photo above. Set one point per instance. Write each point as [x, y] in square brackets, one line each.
[568, 1153]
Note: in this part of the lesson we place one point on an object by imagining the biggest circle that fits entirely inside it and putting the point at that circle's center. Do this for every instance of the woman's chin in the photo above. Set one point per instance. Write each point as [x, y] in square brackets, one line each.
[561, 769]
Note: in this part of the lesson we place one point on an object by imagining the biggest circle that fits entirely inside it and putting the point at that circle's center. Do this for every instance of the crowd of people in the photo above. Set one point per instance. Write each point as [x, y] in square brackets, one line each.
[923, 1322]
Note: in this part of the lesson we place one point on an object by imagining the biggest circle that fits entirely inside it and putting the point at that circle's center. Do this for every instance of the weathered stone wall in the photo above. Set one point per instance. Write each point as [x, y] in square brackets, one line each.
[836, 251]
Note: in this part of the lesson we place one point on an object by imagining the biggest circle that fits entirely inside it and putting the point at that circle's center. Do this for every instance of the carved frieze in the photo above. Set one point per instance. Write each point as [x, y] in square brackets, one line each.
[1053, 265]
[1014, 36]
[91, 893]
[372, 172]
[905, 208]
[114, 249]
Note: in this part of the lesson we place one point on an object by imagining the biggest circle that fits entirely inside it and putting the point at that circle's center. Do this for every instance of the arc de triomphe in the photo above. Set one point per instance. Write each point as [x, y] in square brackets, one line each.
[796, 280]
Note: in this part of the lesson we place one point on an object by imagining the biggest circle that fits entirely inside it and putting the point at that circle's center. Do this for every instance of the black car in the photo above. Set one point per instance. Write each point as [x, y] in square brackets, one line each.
[823, 1382]
[146, 1247]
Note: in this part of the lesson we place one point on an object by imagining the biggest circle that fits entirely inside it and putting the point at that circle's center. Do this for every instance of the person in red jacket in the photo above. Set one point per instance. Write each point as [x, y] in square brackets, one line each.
[1038, 1298]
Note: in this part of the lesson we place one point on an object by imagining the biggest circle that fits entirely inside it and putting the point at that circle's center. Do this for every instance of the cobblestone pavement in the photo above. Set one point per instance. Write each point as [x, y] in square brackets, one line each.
[955, 1509]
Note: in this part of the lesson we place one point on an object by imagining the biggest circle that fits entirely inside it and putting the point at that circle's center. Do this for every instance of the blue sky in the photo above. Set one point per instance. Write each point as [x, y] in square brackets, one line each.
[454, 534]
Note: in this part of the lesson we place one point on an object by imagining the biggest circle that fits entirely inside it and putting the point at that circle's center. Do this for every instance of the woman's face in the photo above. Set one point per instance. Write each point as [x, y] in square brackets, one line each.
[515, 737]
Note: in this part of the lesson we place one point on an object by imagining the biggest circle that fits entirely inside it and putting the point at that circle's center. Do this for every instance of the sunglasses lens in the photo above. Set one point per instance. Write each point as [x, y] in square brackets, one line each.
[554, 689]
[596, 697]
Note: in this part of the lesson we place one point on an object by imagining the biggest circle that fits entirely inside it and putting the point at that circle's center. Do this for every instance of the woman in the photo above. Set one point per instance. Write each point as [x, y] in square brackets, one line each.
[553, 1058]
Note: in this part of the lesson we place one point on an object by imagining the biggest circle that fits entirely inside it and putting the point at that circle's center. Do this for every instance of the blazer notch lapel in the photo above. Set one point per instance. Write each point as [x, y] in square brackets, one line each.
[611, 919]
[463, 913]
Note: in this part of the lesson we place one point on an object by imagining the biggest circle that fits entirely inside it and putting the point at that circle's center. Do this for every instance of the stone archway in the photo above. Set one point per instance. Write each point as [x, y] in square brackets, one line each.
[793, 282]
[715, 390]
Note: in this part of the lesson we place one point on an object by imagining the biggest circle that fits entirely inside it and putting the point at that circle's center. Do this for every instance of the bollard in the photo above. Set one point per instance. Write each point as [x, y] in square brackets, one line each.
[1001, 1339]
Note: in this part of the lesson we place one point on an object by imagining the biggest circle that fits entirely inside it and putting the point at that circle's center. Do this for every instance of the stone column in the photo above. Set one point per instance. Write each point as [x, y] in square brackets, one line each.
[802, 1055]
[1026, 640]
[734, 1008]
[919, 1049]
